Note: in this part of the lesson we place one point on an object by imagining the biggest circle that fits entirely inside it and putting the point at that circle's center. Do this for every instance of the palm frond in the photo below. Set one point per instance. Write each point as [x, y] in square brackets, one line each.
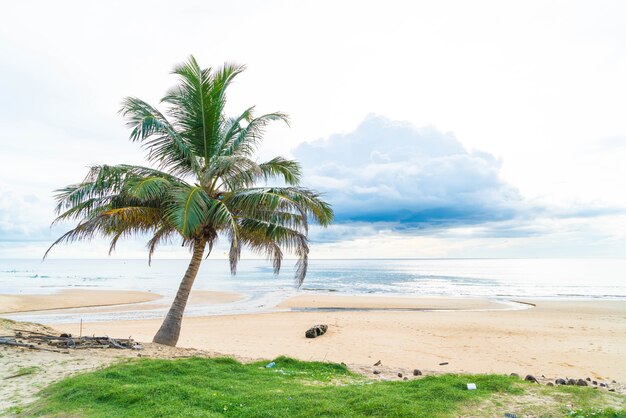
[233, 171]
[232, 127]
[198, 104]
[188, 208]
[148, 188]
[256, 233]
[108, 187]
[114, 223]
[245, 139]
[165, 146]
[289, 170]
[163, 234]
[306, 202]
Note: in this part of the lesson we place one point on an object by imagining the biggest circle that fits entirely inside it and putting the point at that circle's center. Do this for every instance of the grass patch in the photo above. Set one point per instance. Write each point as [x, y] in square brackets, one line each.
[224, 387]
[215, 387]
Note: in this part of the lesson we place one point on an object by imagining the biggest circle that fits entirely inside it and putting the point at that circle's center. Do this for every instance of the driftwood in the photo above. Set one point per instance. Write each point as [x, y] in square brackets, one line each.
[14, 343]
[34, 340]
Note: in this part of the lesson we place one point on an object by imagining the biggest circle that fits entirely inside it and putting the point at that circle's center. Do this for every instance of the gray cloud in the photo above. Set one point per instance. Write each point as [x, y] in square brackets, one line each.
[393, 173]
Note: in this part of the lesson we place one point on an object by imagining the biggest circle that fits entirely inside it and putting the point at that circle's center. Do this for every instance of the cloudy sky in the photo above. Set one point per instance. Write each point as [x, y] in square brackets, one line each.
[436, 129]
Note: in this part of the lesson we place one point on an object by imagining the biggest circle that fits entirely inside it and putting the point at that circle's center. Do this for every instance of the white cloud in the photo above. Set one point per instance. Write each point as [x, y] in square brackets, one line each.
[426, 177]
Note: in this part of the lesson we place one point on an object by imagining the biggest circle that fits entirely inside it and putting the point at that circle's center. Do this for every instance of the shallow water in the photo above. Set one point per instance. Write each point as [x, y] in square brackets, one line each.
[493, 278]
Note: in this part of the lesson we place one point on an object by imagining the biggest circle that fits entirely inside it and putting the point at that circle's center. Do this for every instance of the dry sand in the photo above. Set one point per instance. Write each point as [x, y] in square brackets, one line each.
[326, 301]
[557, 339]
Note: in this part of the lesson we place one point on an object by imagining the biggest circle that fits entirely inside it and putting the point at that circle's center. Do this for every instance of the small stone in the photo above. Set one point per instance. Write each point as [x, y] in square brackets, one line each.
[588, 379]
[571, 382]
[344, 364]
[613, 381]
[611, 390]
[417, 372]
[531, 378]
[514, 375]
[602, 385]
[550, 384]
[594, 382]
[378, 363]
[399, 374]
[405, 378]
[560, 381]
[376, 371]
[581, 382]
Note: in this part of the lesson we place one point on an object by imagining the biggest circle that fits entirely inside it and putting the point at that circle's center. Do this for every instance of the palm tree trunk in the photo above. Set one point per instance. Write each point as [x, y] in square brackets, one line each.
[170, 329]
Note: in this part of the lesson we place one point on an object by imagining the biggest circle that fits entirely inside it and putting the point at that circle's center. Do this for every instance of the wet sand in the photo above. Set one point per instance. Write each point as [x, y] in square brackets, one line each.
[10, 304]
[99, 301]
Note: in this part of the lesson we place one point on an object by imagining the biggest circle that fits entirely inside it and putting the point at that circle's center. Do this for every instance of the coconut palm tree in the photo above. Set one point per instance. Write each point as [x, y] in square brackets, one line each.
[203, 185]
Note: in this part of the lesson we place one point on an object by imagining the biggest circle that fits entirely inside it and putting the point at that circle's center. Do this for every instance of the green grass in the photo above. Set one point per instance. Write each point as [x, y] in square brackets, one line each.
[553, 401]
[223, 387]
[596, 413]
[213, 387]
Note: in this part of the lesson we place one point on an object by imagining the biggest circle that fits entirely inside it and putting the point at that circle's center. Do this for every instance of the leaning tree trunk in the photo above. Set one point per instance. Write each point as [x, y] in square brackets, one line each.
[170, 329]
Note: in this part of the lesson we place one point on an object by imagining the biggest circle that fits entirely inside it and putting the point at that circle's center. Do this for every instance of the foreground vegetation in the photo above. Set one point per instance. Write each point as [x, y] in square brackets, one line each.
[215, 387]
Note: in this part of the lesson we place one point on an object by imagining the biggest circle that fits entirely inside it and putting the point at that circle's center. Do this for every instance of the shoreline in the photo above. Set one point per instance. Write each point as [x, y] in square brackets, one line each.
[11, 304]
[399, 303]
[102, 301]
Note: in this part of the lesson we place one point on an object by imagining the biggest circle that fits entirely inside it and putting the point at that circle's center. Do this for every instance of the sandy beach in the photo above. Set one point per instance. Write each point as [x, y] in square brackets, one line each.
[66, 299]
[546, 338]
[371, 302]
[90, 301]
[553, 338]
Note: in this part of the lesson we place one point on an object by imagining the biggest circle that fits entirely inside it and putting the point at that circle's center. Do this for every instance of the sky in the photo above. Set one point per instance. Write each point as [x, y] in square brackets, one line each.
[435, 129]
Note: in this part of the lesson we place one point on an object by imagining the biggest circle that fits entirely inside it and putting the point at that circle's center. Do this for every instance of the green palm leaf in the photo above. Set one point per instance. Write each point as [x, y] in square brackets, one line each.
[289, 170]
[166, 147]
[187, 209]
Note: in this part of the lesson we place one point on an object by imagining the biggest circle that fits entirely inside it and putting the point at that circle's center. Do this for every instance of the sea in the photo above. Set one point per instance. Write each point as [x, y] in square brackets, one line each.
[499, 279]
